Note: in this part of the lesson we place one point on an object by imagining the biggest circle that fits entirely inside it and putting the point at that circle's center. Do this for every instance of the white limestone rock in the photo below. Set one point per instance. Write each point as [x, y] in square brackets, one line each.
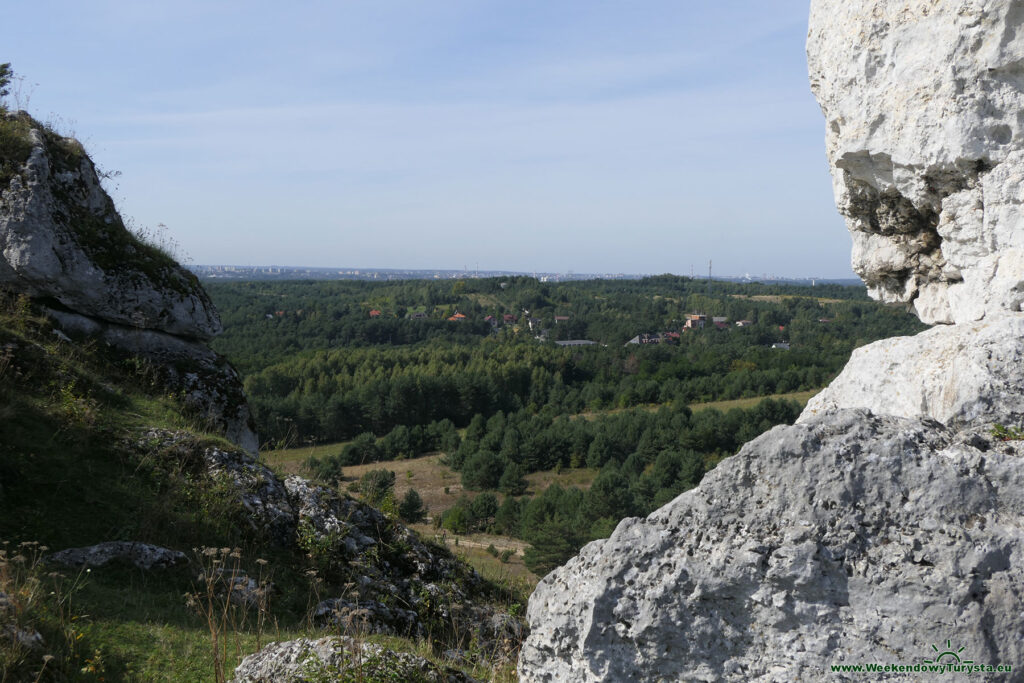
[956, 374]
[847, 539]
[62, 239]
[922, 102]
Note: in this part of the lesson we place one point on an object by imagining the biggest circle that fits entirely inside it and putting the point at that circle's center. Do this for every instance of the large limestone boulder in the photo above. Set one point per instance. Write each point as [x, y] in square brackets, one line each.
[922, 101]
[61, 239]
[849, 539]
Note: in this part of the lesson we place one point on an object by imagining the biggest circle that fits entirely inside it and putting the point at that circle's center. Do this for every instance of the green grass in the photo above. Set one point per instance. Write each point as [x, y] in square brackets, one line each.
[291, 460]
[801, 397]
[15, 146]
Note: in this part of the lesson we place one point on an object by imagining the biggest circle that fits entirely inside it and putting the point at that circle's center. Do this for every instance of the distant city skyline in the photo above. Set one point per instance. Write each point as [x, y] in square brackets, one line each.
[574, 136]
[287, 272]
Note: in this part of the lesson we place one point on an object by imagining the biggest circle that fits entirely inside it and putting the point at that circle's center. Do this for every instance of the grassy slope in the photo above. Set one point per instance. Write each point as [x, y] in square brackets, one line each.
[70, 476]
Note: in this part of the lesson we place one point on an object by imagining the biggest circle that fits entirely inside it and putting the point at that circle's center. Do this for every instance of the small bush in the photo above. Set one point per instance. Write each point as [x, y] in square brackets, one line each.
[15, 147]
[376, 485]
[411, 509]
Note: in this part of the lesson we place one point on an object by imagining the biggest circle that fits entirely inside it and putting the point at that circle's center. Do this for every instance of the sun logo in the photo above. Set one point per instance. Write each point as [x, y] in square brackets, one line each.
[948, 653]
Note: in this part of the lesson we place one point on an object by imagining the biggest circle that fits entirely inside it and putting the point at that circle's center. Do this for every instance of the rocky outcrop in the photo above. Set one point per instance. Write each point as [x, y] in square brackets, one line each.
[887, 526]
[64, 245]
[63, 240]
[339, 658]
[374, 575]
[922, 102]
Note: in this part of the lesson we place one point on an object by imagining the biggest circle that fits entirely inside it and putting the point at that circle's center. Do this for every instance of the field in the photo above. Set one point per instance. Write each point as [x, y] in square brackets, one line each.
[779, 298]
[801, 397]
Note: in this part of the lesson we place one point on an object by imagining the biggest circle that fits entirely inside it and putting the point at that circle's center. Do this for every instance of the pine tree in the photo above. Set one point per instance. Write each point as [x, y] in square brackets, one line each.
[5, 79]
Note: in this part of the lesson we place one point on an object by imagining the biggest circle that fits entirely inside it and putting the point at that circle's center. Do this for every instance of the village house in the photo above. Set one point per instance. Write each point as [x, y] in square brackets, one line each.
[457, 318]
[375, 313]
[695, 321]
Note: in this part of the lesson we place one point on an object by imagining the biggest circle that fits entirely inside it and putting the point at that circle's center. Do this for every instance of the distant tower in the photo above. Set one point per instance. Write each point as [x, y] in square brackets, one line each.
[709, 277]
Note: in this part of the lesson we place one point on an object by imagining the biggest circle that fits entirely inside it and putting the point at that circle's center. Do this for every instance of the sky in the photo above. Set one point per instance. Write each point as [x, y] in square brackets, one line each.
[591, 136]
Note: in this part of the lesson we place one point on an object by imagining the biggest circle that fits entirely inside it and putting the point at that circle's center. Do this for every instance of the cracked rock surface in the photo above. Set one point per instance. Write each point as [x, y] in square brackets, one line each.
[956, 374]
[849, 538]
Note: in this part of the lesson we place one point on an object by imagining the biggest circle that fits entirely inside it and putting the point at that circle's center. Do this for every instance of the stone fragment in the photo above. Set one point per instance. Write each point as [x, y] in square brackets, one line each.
[141, 555]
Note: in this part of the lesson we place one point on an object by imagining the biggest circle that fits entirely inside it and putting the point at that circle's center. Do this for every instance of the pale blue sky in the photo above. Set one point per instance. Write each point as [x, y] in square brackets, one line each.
[546, 135]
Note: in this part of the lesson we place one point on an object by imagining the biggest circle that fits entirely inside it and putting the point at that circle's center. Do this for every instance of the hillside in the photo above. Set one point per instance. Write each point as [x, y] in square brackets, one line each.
[141, 538]
[345, 375]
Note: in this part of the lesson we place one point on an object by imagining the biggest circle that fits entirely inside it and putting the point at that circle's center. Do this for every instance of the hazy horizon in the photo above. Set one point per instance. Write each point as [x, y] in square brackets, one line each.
[471, 272]
[520, 136]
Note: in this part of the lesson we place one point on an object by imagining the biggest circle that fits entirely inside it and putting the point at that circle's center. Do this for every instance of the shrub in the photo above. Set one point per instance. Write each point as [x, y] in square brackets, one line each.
[377, 485]
[411, 508]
